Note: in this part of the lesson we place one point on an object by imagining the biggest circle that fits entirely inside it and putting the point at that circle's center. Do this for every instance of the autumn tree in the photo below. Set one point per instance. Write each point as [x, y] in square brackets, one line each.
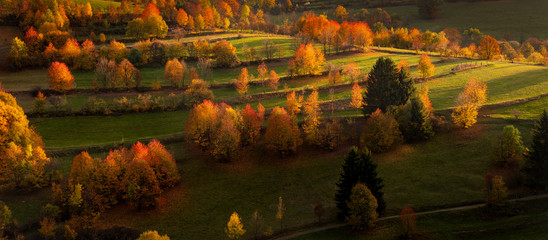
[182, 18]
[225, 54]
[489, 47]
[386, 86]
[152, 235]
[429, 9]
[468, 102]
[70, 51]
[251, 125]
[273, 80]
[126, 75]
[201, 123]
[235, 227]
[280, 213]
[87, 59]
[308, 60]
[242, 83]
[426, 68]
[117, 51]
[312, 120]
[18, 54]
[381, 132]
[536, 156]
[174, 73]
[293, 103]
[22, 158]
[256, 225]
[60, 78]
[198, 91]
[334, 76]
[496, 192]
[226, 139]
[340, 13]
[408, 220]
[156, 26]
[508, 148]
[357, 97]
[142, 186]
[105, 71]
[282, 134]
[358, 168]
[352, 71]
[362, 207]
[263, 71]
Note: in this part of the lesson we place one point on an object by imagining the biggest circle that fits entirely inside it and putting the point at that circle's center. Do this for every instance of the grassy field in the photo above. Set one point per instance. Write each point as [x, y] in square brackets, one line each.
[469, 224]
[452, 161]
[526, 110]
[520, 18]
[101, 4]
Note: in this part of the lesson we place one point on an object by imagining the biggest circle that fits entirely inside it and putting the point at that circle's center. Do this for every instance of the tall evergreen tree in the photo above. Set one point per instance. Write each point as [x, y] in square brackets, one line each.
[386, 86]
[358, 168]
[537, 155]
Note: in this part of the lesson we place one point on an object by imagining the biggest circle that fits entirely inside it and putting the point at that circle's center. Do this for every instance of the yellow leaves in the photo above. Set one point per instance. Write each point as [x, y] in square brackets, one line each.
[426, 68]
[242, 83]
[357, 97]
[473, 96]
[308, 60]
[293, 103]
[234, 228]
[174, 73]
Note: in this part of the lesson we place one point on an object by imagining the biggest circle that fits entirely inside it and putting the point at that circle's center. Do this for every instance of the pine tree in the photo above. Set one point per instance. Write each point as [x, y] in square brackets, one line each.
[386, 86]
[358, 168]
[537, 155]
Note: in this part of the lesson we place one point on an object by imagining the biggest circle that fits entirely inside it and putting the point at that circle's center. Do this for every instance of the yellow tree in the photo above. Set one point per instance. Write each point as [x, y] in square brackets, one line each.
[357, 97]
[225, 54]
[340, 13]
[468, 102]
[182, 18]
[362, 207]
[60, 77]
[126, 75]
[293, 103]
[174, 73]
[312, 120]
[235, 227]
[152, 235]
[242, 83]
[308, 60]
[426, 68]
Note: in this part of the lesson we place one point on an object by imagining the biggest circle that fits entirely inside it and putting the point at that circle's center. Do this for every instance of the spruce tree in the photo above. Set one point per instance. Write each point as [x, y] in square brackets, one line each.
[537, 156]
[386, 86]
[358, 168]
[419, 127]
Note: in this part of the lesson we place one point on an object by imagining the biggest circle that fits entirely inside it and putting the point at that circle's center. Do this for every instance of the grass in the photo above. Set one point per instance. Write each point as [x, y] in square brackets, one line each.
[102, 4]
[527, 110]
[469, 224]
[86, 131]
[504, 81]
[452, 161]
[519, 18]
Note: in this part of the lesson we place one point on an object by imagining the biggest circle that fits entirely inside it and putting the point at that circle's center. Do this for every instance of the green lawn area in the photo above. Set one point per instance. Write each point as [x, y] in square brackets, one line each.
[505, 82]
[520, 18]
[469, 224]
[413, 175]
[526, 110]
[98, 130]
[102, 4]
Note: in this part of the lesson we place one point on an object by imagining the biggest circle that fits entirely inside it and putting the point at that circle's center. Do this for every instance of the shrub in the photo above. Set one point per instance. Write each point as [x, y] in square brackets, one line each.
[361, 208]
[198, 91]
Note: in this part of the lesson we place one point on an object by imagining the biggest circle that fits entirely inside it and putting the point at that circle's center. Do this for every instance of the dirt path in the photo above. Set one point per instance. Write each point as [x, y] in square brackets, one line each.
[455, 209]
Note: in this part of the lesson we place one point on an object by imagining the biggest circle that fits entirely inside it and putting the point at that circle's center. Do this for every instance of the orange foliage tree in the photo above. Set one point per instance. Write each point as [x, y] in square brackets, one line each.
[242, 83]
[273, 80]
[126, 75]
[381, 132]
[263, 71]
[174, 73]
[251, 125]
[201, 123]
[312, 120]
[293, 103]
[308, 60]
[489, 47]
[60, 77]
[357, 97]
[282, 134]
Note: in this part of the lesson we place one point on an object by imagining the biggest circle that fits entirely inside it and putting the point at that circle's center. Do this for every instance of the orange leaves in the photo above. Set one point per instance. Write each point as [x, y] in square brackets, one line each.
[60, 77]
[151, 9]
[313, 25]
[242, 83]
[308, 60]
[489, 47]
[273, 80]
[357, 97]
[201, 123]
[182, 18]
[293, 103]
[70, 51]
[263, 70]
[126, 75]
[282, 134]
[174, 73]
[251, 125]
